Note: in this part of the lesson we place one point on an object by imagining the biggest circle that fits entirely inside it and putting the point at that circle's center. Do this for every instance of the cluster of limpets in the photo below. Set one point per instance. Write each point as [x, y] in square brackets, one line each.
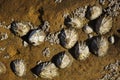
[68, 38]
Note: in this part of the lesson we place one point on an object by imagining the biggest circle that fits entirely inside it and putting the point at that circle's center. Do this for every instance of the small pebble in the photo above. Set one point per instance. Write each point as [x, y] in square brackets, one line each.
[25, 44]
[111, 39]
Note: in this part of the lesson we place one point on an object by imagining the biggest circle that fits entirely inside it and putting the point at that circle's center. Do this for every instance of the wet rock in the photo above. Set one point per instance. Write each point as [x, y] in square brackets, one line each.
[45, 70]
[93, 12]
[81, 51]
[103, 24]
[62, 60]
[18, 66]
[68, 37]
[36, 37]
[99, 46]
[2, 68]
[20, 28]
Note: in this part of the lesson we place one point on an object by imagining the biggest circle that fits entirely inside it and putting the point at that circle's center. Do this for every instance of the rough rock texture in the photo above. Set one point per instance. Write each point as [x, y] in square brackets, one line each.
[38, 11]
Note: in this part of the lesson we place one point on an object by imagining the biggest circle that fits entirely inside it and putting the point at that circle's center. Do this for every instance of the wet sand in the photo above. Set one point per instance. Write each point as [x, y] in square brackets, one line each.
[32, 11]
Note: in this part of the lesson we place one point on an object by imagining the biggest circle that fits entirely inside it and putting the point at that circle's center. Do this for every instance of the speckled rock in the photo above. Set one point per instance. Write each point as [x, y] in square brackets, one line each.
[111, 39]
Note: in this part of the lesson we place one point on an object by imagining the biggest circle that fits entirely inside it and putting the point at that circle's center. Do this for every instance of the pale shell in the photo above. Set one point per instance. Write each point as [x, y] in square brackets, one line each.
[81, 51]
[111, 39]
[87, 29]
[94, 12]
[68, 37]
[103, 24]
[20, 28]
[62, 60]
[18, 66]
[76, 22]
[36, 37]
[45, 70]
[99, 46]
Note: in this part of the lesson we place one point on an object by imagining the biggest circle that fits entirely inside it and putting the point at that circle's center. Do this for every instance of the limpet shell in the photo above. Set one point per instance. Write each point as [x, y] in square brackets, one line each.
[45, 70]
[68, 37]
[81, 51]
[103, 24]
[93, 12]
[20, 28]
[76, 22]
[18, 66]
[62, 60]
[99, 46]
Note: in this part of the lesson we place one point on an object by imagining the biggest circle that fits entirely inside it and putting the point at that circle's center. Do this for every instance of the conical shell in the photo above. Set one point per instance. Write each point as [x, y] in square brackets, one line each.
[76, 22]
[20, 28]
[103, 24]
[68, 37]
[81, 51]
[62, 60]
[37, 37]
[99, 46]
[93, 12]
[45, 70]
[18, 66]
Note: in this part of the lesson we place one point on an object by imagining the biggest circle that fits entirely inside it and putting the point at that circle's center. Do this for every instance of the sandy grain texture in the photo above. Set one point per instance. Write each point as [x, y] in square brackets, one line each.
[37, 11]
